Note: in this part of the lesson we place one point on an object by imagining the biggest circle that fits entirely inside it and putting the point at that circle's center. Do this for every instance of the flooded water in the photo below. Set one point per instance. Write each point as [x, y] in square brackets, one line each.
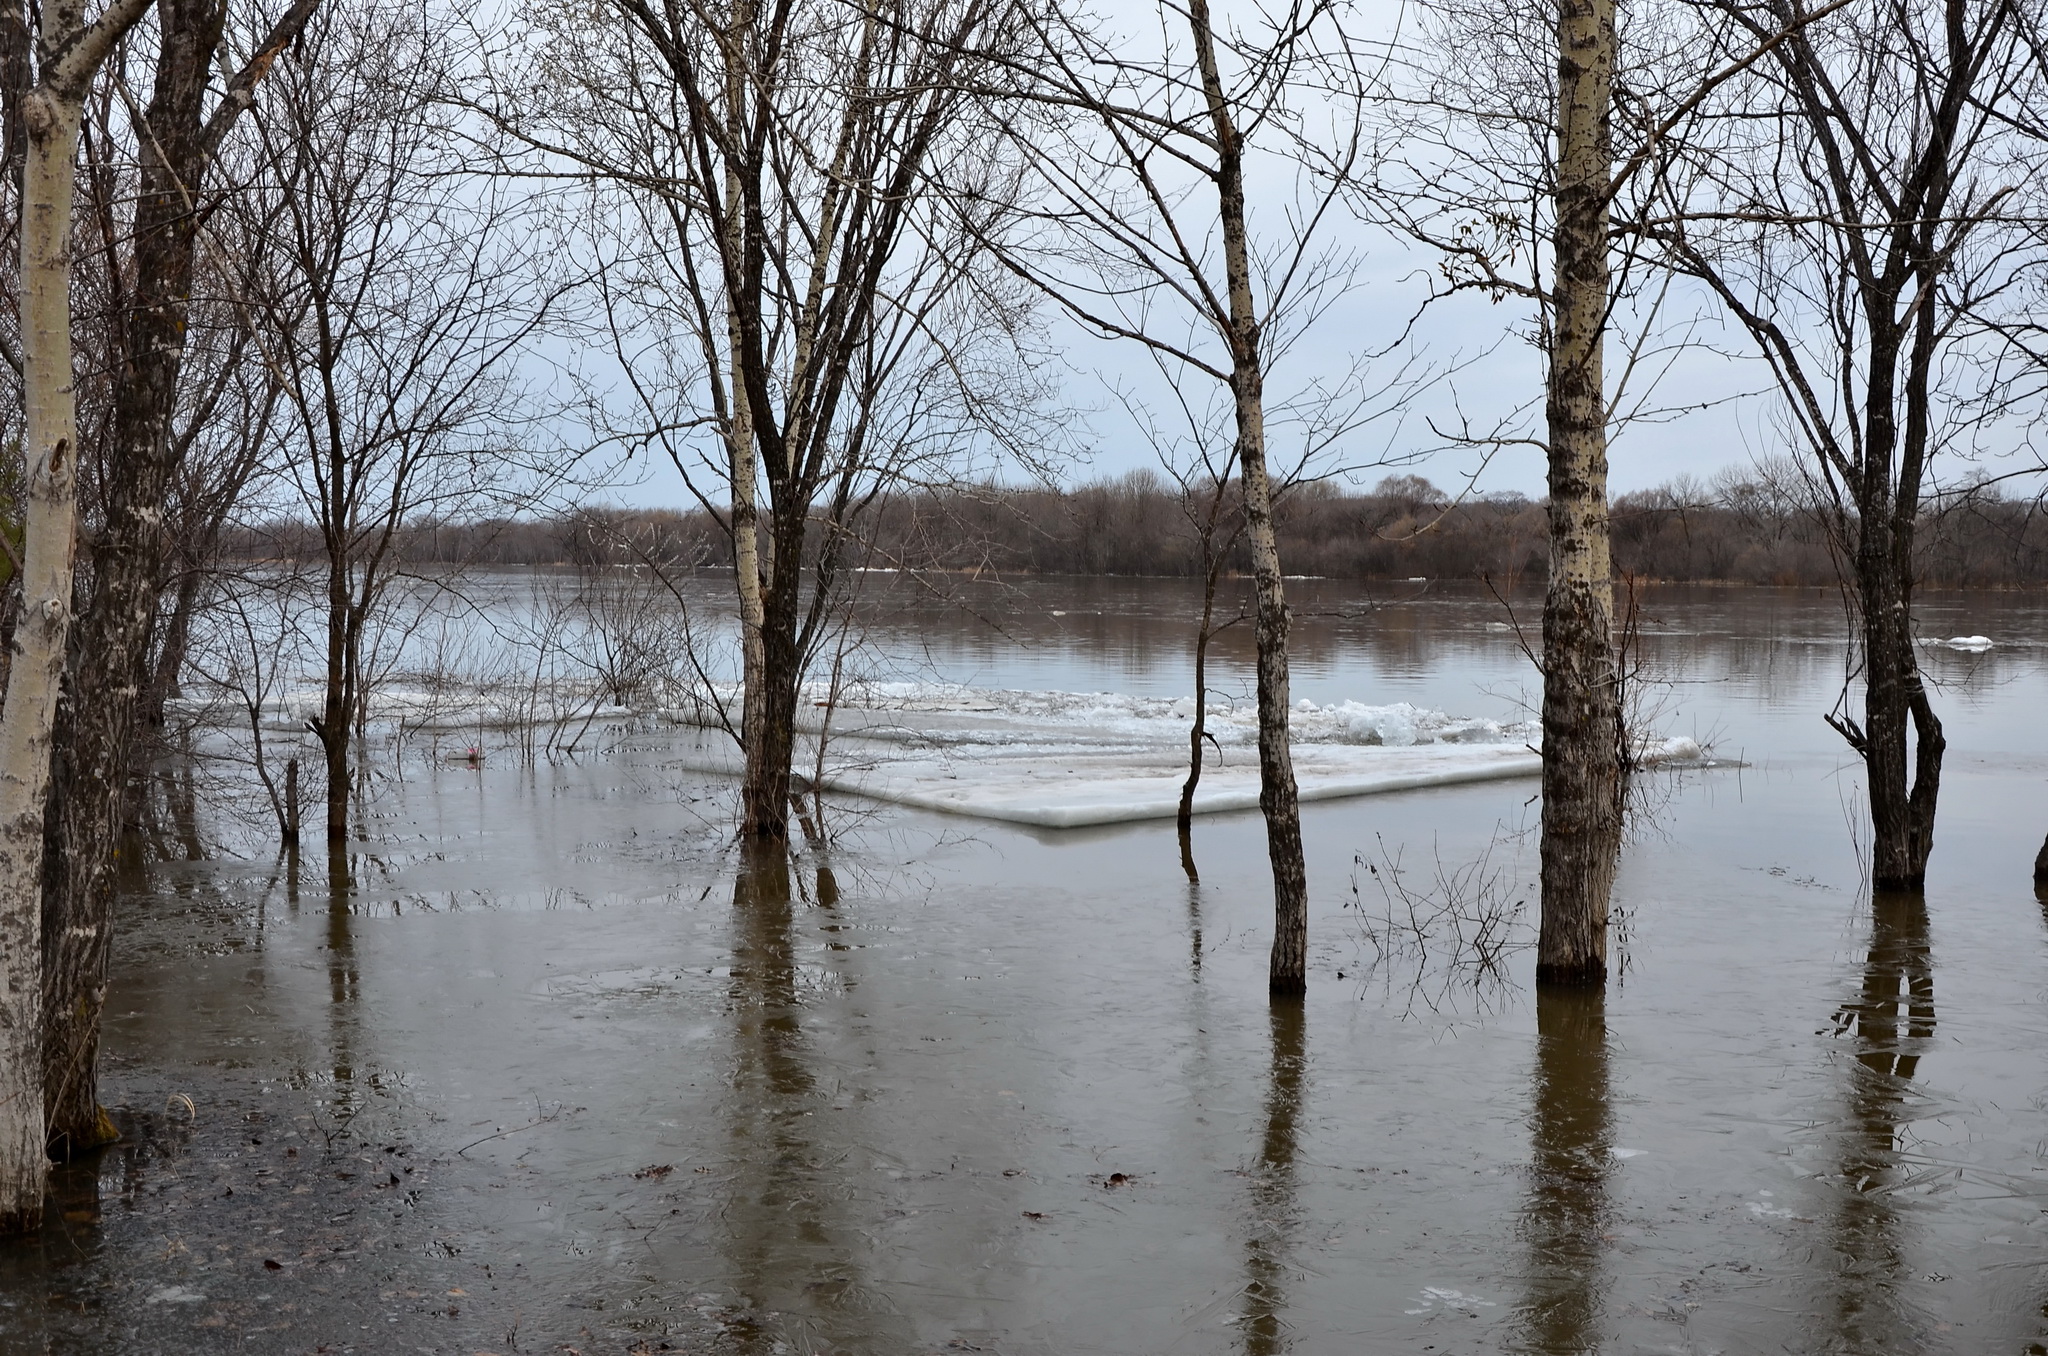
[542, 1064]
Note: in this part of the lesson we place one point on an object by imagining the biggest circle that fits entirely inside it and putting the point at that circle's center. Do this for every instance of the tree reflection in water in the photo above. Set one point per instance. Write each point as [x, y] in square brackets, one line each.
[344, 990]
[1571, 1133]
[1270, 1230]
[788, 1249]
[1890, 1023]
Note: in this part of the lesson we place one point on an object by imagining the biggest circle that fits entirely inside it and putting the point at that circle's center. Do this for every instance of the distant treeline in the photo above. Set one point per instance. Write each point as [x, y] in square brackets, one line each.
[1734, 530]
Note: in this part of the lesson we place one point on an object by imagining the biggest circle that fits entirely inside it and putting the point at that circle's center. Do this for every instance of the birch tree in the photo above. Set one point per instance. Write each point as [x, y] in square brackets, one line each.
[1582, 734]
[799, 331]
[69, 51]
[152, 264]
[1519, 187]
[1146, 232]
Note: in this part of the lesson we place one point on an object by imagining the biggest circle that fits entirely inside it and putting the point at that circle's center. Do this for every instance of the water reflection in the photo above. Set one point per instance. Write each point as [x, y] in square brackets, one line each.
[1890, 1024]
[344, 983]
[789, 1248]
[1270, 1231]
[1571, 1124]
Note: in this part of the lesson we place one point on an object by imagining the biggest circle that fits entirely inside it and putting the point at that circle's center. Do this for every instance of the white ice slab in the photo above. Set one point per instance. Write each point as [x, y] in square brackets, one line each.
[1071, 759]
[1074, 789]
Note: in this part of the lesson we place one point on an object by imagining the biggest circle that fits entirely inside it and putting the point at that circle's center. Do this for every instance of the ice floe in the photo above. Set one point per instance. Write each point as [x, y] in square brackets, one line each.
[1970, 644]
[1071, 759]
[1052, 759]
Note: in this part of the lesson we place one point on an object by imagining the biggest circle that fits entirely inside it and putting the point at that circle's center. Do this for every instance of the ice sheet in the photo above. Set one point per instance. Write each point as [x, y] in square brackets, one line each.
[1045, 758]
[1070, 759]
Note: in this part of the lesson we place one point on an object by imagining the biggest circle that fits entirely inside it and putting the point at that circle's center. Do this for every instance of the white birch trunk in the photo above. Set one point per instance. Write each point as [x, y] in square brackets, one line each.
[51, 113]
[741, 466]
[33, 681]
[1581, 838]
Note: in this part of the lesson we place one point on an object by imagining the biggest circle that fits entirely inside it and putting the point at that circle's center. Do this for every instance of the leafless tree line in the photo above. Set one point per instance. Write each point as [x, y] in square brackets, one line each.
[1738, 528]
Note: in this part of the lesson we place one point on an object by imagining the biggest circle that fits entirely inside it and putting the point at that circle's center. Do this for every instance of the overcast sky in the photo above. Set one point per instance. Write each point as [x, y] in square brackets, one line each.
[1714, 406]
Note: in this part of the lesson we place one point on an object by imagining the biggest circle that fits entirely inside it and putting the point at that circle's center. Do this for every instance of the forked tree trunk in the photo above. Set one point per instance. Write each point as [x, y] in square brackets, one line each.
[1287, 972]
[1896, 713]
[71, 52]
[110, 672]
[1581, 699]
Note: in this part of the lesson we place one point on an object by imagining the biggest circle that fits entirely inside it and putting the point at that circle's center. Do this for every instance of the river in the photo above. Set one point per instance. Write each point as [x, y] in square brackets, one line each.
[962, 1085]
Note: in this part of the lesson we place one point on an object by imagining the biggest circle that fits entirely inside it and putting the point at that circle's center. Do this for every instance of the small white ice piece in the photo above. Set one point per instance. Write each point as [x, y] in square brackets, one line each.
[1620, 1152]
[1970, 644]
[1437, 1298]
[1767, 1209]
[175, 1294]
[1676, 749]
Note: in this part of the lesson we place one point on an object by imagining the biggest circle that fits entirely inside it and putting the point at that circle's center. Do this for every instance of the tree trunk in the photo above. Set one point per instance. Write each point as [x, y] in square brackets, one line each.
[1895, 712]
[51, 114]
[34, 676]
[1581, 703]
[337, 707]
[111, 667]
[764, 791]
[742, 472]
[1184, 820]
[171, 650]
[2041, 864]
[1287, 972]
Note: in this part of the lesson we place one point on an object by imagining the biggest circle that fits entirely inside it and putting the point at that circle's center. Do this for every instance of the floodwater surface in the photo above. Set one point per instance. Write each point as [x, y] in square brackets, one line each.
[541, 1063]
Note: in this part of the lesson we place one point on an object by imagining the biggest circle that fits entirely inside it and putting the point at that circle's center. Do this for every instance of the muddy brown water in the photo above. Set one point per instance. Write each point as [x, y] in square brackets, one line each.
[542, 1065]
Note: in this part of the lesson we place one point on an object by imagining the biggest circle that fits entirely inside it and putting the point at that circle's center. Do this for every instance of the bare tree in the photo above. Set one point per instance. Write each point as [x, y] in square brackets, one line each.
[799, 330]
[1519, 187]
[69, 51]
[1864, 211]
[1146, 232]
[1582, 734]
[400, 295]
[147, 259]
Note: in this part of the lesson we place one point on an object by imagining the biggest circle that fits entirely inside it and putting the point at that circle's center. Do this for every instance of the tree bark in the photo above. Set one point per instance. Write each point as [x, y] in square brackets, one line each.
[1581, 837]
[337, 700]
[71, 51]
[743, 471]
[1896, 711]
[764, 791]
[111, 650]
[1184, 818]
[1287, 972]
[2041, 864]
